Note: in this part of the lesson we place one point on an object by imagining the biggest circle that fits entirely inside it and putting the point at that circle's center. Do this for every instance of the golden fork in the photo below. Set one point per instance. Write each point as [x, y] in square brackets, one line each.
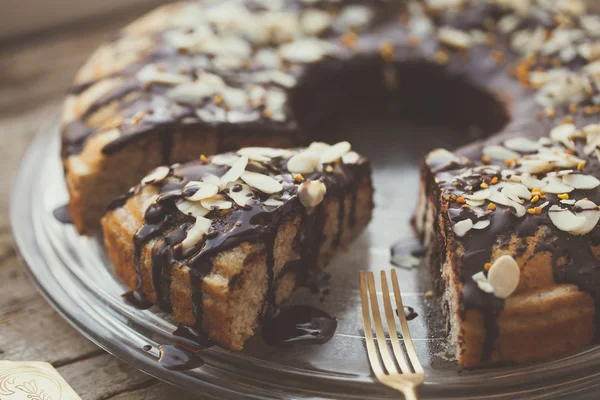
[405, 380]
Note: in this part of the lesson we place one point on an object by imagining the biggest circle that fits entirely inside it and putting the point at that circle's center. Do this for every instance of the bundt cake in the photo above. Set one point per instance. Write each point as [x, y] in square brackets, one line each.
[509, 220]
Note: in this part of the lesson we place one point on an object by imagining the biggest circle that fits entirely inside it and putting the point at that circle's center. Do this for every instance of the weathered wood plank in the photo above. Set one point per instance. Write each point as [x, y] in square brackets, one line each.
[35, 76]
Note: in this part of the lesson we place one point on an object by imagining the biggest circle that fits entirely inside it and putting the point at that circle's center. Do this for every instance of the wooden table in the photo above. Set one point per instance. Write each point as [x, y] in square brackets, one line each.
[34, 75]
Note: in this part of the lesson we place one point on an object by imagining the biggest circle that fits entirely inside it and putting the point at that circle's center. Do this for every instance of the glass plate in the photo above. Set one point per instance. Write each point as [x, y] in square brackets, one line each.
[75, 276]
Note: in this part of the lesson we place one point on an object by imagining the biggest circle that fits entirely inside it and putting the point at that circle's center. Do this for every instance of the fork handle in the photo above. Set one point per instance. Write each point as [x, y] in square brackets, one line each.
[410, 394]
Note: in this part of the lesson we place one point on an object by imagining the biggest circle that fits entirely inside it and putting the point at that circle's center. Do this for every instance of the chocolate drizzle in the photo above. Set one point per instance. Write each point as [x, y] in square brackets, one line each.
[253, 223]
[298, 325]
[572, 256]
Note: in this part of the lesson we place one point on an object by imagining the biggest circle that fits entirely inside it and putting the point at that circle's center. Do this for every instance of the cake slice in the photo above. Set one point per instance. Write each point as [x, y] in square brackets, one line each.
[219, 242]
[511, 230]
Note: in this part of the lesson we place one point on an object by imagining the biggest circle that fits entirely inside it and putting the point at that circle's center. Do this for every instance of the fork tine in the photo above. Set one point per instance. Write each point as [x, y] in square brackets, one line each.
[410, 348]
[371, 350]
[391, 321]
[390, 366]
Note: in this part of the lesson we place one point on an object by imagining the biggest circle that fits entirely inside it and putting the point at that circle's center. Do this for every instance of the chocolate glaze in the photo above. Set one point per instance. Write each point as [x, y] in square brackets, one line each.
[255, 222]
[298, 325]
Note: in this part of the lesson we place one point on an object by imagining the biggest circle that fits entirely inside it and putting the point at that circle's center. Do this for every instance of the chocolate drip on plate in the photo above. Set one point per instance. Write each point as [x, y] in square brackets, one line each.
[298, 325]
[62, 214]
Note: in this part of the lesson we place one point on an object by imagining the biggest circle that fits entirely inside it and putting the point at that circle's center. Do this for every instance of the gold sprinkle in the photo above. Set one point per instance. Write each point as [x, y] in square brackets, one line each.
[531, 211]
[218, 99]
[447, 198]
[267, 112]
[429, 293]
[550, 112]
[498, 56]
[567, 120]
[538, 210]
[508, 162]
[494, 180]
[487, 266]
[491, 206]
[580, 166]
[386, 50]
[535, 198]
[298, 178]
[138, 117]
[455, 183]
[453, 197]
[329, 168]
[484, 185]
[466, 206]
[441, 57]
[203, 158]
[568, 151]
[413, 41]
[573, 108]
[588, 110]
[461, 199]
[348, 39]
[486, 159]
[563, 196]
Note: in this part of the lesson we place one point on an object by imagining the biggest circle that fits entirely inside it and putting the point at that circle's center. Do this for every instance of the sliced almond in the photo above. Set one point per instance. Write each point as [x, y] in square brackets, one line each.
[454, 37]
[192, 208]
[196, 234]
[216, 203]
[531, 183]
[534, 166]
[203, 190]
[156, 175]
[234, 173]
[483, 194]
[318, 147]
[351, 157]
[522, 145]
[272, 202]
[224, 159]
[210, 178]
[516, 191]
[240, 196]
[263, 154]
[262, 182]
[311, 193]
[496, 152]
[482, 282]
[474, 203]
[305, 162]
[462, 227]
[335, 152]
[563, 134]
[581, 181]
[556, 186]
[564, 219]
[591, 213]
[504, 276]
[482, 224]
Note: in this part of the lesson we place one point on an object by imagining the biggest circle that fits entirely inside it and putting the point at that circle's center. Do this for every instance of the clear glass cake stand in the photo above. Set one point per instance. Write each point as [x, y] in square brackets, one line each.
[75, 277]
